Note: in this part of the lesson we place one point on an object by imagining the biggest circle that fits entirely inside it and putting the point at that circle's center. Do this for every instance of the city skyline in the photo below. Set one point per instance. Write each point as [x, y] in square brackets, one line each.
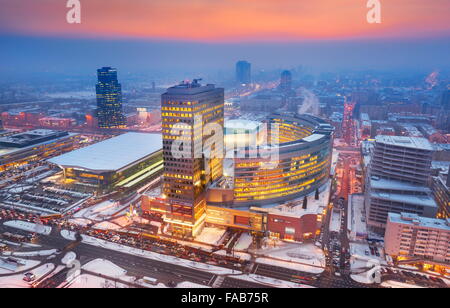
[322, 36]
[234, 145]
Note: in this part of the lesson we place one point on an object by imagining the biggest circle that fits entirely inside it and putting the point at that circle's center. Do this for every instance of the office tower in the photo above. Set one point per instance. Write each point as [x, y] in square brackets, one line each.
[243, 72]
[409, 236]
[193, 106]
[286, 81]
[398, 179]
[109, 99]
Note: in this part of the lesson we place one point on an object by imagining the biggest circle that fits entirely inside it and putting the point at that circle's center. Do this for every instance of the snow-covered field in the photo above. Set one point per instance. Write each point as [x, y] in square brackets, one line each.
[28, 226]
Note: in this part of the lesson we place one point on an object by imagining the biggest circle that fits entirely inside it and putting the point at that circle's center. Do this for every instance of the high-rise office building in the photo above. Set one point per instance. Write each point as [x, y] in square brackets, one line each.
[398, 179]
[109, 99]
[243, 72]
[286, 81]
[190, 106]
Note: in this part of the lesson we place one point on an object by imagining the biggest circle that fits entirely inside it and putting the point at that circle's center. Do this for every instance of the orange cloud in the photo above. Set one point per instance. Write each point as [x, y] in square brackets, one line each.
[228, 20]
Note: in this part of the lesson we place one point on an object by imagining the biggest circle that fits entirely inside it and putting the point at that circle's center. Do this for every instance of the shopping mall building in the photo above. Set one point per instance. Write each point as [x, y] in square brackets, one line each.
[262, 187]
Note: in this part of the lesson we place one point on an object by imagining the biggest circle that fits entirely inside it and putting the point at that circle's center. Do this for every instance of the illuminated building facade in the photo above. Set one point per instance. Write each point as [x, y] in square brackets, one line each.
[123, 163]
[187, 109]
[419, 239]
[302, 165]
[109, 99]
[21, 148]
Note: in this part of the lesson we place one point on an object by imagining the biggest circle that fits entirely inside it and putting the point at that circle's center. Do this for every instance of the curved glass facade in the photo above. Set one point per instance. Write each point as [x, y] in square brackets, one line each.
[302, 166]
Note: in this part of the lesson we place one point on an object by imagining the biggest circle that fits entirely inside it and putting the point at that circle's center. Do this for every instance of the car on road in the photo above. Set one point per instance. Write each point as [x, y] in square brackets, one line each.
[29, 277]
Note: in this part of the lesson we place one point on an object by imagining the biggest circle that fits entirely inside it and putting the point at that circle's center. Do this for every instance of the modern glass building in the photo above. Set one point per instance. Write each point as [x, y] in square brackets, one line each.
[243, 72]
[109, 99]
[187, 110]
[301, 165]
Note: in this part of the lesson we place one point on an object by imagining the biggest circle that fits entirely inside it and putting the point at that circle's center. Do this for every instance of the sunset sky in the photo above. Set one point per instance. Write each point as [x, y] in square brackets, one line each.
[160, 23]
[227, 20]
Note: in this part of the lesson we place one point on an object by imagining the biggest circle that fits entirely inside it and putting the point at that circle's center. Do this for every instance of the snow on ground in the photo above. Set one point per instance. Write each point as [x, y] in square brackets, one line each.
[105, 267]
[68, 235]
[6, 268]
[100, 211]
[69, 258]
[106, 225]
[240, 255]
[399, 285]
[291, 265]
[28, 226]
[190, 285]
[357, 218]
[14, 281]
[272, 282]
[335, 222]
[93, 282]
[244, 242]
[293, 252]
[211, 235]
[358, 251]
[37, 253]
[79, 221]
[362, 278]
[122, 221]
[155, 256]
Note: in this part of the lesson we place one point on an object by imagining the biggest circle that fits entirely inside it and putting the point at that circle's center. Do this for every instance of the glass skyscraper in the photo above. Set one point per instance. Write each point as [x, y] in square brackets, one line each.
[243, 72]
[109, 99]
[186, 179]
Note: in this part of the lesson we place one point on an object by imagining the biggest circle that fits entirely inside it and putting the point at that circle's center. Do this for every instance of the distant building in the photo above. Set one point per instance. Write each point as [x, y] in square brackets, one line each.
[243, 72]
[398, 179]
[286, 81]
[109, 99]
[20, 148]
[445, 100]
[56, 122]
[418, 239]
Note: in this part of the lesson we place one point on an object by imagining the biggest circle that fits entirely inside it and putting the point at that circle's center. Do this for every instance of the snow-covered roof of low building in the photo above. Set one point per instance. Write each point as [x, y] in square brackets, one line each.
[406, 142]
[112, 154]
[426, 201]
[414, 219]
[380, 183]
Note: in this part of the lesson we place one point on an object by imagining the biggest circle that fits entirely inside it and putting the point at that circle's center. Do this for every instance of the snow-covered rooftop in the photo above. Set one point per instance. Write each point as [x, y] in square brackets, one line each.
[112, 154]
[413, 219]
[406, 142]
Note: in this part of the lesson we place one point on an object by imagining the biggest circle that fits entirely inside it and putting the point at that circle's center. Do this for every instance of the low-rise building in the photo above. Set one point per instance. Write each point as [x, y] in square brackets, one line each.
[410, 237]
